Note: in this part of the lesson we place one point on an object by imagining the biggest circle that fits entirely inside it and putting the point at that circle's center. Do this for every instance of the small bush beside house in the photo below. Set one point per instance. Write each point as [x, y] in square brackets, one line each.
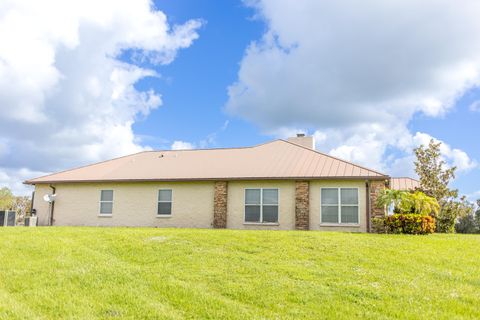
[413, 212]
[409, 224]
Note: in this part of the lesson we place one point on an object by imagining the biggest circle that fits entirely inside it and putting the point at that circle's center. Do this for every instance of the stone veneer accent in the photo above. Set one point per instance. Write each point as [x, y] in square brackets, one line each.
[220, 204]
[302, 205]
[376, 187]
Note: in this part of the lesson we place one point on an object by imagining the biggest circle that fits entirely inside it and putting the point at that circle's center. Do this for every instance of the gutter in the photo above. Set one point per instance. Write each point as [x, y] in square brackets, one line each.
[380, 178]
[31, 204]
[367, 187]
[52, 206]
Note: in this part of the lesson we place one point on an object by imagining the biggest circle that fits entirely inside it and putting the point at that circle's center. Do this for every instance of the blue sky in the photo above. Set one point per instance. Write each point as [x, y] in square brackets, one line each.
[194, 87]
[369, 84]
[459, 128]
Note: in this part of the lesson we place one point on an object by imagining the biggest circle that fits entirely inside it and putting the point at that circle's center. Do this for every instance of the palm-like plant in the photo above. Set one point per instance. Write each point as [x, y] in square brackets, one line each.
[390, 197]
[424, 204]
[407, 202]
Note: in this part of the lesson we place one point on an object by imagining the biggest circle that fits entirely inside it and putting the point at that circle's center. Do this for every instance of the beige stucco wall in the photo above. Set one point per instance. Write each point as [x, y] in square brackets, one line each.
[134, 204]
[286, 206]
[315, 187]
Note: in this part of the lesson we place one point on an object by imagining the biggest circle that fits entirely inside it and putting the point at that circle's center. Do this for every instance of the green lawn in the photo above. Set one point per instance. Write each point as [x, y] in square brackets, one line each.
[88, 273]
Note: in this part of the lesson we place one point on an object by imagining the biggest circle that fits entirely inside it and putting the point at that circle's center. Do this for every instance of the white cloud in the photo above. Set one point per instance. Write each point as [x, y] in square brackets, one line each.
[473, 197]
[404, 165]
[13, 178]
[65, 97]
[356, 72]
[182, 145]
[208, 142]
[453, 157]
[475, 106]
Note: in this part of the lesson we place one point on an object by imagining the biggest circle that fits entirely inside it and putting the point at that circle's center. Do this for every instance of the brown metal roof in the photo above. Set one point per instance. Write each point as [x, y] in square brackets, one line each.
[404, 183]
[278, 159]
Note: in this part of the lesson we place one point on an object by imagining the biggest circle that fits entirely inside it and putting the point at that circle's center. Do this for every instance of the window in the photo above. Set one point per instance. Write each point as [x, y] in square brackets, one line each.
[339, 205]
[106, 201]
[164, 202]
[261, 205]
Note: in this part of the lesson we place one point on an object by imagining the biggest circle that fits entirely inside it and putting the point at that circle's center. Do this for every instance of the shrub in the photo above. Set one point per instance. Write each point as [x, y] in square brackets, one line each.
[450, 212]
[467, 224]
[410, 224]
[378, 225]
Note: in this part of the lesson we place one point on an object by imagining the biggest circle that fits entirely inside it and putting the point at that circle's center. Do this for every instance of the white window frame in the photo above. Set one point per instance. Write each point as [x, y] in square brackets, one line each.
[171, 203]
[339, 204]
[261, 207]
[100, 214]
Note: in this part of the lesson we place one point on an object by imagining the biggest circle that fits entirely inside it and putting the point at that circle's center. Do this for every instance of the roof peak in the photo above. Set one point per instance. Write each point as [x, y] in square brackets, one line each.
[333, 157]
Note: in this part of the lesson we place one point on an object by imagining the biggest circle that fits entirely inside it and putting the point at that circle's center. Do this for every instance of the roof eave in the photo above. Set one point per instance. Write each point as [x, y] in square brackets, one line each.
[31, 182]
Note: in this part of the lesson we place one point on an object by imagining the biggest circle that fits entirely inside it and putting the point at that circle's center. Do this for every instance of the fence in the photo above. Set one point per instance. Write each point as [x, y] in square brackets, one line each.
[8, 218]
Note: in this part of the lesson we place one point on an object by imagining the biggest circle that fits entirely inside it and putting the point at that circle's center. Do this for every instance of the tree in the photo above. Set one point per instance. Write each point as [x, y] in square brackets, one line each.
[21, 205]
[477, 215]
[470, 223]
[6, 198]
[433, 173]
[435, 177]
[453, 210]
[466, 224]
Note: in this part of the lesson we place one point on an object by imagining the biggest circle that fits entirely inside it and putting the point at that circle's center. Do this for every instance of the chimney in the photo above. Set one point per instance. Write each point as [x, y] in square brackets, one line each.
[302, 140]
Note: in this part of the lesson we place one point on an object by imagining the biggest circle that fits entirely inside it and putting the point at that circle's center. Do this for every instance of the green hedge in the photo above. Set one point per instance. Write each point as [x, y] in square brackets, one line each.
[410, 224]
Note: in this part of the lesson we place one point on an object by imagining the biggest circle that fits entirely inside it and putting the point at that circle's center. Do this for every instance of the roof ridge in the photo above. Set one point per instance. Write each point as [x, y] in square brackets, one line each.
[207, 149]
[335, 158]
[404, 177]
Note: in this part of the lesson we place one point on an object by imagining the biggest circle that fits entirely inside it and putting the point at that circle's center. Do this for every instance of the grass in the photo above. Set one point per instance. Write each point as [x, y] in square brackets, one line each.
[108, 273]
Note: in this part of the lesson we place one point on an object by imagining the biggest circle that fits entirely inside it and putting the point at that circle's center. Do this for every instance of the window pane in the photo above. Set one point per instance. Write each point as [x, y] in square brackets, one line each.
[165, 195]
[252, 196]
[330, 214]
[330, 196]
[252, 213]
[106, 207]
[349, 195]
[106, 195]
[270, 213]
[350, 214]
[164, 208]
[270, 196]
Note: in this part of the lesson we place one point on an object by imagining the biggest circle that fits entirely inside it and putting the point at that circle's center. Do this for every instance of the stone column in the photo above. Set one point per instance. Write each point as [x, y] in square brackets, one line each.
[302, 205]
[376, 187]
[220, 204]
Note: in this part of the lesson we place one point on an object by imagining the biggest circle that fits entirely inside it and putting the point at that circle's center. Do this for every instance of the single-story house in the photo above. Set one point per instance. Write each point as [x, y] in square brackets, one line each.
[282, 184]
